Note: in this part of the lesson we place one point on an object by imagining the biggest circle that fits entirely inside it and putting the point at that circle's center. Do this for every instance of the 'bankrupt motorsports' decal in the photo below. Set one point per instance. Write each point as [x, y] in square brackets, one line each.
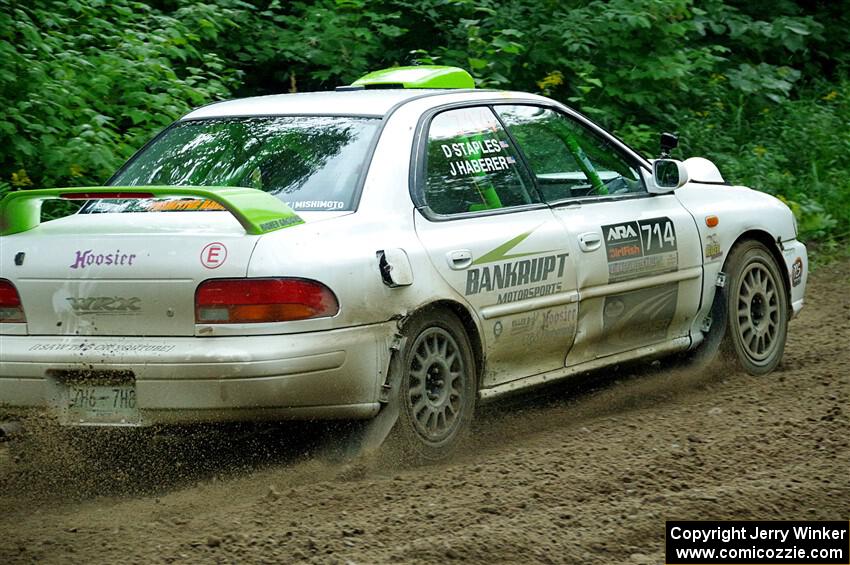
[509, 273]
[642, 248]
[518, 273]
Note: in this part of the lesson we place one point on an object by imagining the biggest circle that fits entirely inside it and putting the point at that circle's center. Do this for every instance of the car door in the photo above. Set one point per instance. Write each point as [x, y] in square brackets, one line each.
[492, 239]
[638, 254]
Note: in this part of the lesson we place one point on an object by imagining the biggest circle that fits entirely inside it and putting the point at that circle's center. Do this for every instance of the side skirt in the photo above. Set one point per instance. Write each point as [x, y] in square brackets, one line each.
[659, 349]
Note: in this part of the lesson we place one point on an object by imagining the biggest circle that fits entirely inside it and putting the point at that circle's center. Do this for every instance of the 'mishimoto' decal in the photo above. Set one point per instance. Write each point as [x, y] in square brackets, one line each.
[641, 248]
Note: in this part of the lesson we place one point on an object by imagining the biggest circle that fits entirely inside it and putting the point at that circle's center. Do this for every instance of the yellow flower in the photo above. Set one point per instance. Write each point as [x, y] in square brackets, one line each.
[21, 178]
[831, 96]
[555, 78]
[760, 151]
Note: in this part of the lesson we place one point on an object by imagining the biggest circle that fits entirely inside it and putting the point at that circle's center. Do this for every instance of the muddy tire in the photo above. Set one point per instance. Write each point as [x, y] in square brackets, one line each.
[437, 388]
[756, 305]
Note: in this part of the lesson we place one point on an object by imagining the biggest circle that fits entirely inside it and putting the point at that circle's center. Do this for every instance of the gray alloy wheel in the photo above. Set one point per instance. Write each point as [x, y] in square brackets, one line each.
[435, 384]
[757, 308]
[438, 386]
[757, 320]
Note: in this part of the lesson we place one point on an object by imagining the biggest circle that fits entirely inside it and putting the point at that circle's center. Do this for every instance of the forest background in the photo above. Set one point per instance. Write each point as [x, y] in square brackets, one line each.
[758, 86]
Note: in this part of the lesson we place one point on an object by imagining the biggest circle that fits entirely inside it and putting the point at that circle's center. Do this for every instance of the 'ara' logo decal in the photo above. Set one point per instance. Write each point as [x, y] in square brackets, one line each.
[617, 233]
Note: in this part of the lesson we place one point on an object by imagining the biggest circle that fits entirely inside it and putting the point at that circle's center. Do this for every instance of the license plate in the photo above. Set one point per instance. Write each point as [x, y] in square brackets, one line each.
[101, 404]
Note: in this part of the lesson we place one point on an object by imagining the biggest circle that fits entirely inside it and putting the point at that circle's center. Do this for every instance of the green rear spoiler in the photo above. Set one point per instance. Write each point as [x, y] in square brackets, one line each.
[259, 212]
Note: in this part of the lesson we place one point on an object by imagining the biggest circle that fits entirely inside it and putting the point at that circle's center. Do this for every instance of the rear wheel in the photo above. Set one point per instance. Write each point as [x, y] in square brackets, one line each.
[437, 388]
[757, 308]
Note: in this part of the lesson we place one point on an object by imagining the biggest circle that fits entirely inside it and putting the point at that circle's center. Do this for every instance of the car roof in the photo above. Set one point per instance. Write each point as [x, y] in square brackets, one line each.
[376, 103]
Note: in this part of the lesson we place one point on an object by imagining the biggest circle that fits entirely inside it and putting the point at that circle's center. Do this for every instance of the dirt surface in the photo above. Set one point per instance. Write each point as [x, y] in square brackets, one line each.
[580, 473]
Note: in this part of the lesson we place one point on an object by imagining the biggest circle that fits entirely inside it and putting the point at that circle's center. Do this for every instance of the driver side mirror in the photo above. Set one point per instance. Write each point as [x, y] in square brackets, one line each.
[668, 175]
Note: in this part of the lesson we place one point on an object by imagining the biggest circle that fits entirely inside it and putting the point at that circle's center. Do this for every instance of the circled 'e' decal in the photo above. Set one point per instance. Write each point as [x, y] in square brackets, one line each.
[213, 255]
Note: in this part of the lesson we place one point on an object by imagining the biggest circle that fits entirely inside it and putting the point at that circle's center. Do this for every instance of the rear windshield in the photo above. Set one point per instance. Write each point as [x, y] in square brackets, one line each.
[309, 162]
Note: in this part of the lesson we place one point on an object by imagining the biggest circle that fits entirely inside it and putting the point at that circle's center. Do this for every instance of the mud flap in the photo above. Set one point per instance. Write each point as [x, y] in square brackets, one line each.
[369, 437]
[708, 350]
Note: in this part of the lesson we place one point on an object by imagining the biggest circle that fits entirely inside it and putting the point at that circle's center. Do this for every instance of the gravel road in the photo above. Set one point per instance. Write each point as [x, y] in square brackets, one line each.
[583, 472]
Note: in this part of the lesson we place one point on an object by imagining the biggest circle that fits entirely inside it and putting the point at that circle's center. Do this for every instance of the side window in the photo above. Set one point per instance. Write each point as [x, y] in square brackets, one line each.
[568, 159]
[471, 165]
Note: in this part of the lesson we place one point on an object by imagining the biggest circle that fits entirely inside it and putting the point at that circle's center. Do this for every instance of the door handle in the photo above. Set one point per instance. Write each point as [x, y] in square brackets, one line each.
[459, 259]
[590, 241]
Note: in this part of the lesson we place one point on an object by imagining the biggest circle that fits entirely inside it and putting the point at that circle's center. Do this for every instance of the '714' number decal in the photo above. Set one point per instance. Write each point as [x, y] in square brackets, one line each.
[660, 231]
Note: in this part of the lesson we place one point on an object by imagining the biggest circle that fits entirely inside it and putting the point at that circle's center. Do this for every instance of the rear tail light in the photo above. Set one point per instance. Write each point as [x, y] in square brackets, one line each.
[11, 309]
[249, 301]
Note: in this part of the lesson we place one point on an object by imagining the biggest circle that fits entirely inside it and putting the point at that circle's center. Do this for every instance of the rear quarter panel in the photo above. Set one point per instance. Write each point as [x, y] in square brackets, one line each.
[342, 252]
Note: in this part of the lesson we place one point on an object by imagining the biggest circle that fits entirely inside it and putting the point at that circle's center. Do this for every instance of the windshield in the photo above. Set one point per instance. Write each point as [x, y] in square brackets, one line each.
[309, 162]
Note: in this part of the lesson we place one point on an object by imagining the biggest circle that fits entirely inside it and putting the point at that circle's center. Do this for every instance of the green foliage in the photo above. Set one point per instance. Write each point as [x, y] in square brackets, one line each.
[760, 86]
[324, 43]
[796, 149]
[85, 83]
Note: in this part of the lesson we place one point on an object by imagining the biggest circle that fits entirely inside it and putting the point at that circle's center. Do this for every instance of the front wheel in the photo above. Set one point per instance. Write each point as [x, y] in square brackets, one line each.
[437, 388]
[757, 308]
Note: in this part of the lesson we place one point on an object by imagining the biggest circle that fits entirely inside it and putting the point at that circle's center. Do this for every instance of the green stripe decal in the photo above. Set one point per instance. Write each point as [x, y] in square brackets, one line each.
[500, 253]
[259, 212]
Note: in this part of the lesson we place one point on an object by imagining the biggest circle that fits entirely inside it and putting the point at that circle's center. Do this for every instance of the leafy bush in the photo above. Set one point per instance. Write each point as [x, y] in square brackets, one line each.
[758, 86]
[796, 149]
[85, 83]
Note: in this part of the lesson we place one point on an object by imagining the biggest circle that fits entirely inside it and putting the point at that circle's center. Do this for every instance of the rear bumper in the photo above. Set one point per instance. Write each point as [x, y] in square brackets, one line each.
[321, 375]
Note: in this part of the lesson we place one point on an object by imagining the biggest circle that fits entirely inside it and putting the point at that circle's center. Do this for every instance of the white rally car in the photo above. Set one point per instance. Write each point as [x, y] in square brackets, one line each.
[407, 246]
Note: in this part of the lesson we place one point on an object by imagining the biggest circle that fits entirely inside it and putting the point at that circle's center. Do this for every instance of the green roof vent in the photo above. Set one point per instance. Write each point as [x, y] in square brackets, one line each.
[424, 76]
